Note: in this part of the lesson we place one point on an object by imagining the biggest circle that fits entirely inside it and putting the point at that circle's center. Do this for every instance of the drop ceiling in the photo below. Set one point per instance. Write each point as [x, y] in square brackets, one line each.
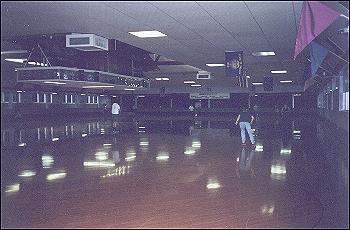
[197, 32]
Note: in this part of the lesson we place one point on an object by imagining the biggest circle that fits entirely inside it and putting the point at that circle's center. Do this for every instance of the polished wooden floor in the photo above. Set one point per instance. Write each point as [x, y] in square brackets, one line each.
[173, 173]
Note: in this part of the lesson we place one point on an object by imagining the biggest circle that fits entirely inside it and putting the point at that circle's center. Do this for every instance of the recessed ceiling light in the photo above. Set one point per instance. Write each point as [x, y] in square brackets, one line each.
[257, 83]
[286, 81]
[278, 71]
[98, 86]
[215, 65]
[189, 82]
[264, 53]
[55, 82]
[148, 34]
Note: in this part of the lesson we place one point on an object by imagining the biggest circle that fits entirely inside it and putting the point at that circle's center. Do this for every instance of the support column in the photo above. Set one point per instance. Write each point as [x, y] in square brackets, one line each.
[135, 102]
[208, 103]
[171, 103]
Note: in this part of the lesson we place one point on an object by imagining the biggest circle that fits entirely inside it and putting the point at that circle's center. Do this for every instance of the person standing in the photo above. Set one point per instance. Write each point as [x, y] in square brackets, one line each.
[115, 113]
[245, 119]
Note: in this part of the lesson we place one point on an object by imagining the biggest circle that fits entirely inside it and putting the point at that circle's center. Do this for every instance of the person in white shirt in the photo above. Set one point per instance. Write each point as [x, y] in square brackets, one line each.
[115, 112]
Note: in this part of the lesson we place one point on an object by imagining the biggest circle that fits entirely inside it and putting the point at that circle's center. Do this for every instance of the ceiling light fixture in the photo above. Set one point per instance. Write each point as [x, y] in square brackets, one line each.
[17, 60]
[257, 83]
[189, 82]
[278, 71]
[98, 86]
[263, 53]
[196, 85]
[129, 89]
[162, 79]
[286, 81]
[148, 34]
[215, 65]
[55, 82]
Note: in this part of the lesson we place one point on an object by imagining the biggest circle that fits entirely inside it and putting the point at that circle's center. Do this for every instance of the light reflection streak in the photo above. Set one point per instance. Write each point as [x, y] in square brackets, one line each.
[12, 188]
[213, 183]
[98, 164]
[27, 173]
[60, 174]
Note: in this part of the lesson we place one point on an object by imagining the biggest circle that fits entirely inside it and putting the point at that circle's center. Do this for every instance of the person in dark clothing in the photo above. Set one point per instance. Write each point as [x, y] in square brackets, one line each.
[245, 119]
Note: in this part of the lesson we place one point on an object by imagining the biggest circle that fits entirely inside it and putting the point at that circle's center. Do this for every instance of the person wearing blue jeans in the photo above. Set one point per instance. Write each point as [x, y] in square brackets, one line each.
[245, 119]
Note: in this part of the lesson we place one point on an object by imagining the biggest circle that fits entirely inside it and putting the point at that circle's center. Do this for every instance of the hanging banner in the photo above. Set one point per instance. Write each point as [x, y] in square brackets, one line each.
[234, 63]
[317, 55]
[315, 17]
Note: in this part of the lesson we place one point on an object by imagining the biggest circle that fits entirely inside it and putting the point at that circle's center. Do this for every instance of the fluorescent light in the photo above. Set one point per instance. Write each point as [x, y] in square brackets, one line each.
[83, 94]
[98, 86]
[248, 77]
[162, 79]
[17, 60]
[257, 83]
[55, 82]
[114, 96]
[19, 91]
[278, 71]
[148, 34]
[286, 81]
[196, 85]
[190, 82]
[297, 95]
[14, 52]
[264, 53]
[54, 93]
[129, 89]
[141, 96]
[102, 95]
[215, 65]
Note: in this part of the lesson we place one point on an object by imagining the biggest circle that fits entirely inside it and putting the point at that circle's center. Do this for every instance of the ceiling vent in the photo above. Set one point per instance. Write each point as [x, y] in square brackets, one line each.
[203, 75]
[87, 42]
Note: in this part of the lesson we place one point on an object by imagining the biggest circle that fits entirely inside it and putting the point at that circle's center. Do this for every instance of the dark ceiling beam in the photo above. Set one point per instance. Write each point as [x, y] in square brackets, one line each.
[169, 63]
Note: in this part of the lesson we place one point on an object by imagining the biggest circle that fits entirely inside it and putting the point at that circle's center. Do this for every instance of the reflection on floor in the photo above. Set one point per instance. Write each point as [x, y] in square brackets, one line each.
[172, 174]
